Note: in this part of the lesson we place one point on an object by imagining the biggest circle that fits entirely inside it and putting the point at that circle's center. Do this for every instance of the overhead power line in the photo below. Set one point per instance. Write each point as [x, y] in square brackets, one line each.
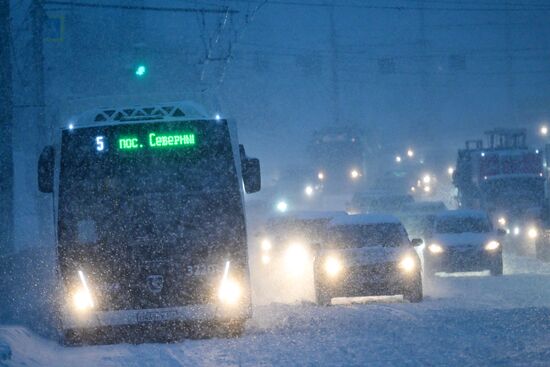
[143, 8]
[400, 7]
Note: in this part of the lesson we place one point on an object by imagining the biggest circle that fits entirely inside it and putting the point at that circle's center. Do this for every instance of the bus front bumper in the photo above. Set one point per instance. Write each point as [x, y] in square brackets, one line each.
[190, 313]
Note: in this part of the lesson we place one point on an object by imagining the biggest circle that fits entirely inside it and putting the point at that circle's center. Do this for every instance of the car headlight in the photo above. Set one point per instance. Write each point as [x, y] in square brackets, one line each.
[333, 266]
[266, 259]
[229, 291]
[502, 221]
[266, 244]
[492, 246]
[434, 248]
[407, 264]
[296, 259]
[532, 232]
[517, 231]
[82, 296]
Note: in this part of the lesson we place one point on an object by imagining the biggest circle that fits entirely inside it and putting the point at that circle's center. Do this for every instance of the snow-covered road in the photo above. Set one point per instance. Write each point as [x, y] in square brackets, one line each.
[464, 321]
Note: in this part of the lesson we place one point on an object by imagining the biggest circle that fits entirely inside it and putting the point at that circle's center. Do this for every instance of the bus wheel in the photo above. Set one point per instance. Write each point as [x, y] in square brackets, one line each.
[232, 329]
[71, 338]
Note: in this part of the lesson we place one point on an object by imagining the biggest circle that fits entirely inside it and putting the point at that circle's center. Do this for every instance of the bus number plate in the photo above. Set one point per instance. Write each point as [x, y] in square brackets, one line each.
[201, 269]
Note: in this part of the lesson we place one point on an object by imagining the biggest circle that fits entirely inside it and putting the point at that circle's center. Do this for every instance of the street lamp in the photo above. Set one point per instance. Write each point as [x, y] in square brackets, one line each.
[450, 170]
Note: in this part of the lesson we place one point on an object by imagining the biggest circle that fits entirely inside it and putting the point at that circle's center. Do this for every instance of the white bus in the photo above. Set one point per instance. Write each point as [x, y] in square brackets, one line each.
[149, 214]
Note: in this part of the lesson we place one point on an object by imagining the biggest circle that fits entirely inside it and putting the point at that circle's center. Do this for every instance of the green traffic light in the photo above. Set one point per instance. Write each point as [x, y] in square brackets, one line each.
[141, 70]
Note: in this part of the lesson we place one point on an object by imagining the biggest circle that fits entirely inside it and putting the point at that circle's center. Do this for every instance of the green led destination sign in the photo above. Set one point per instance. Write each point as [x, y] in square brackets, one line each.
[157, 140]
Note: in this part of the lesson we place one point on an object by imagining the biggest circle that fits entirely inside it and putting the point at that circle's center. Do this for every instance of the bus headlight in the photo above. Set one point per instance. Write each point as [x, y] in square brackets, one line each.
[532, 232]
[296, 259]
[229, 291]
[492, 246]
[434, 248]
[82, 296]
[333, 266]
[407, 264]
[82, 300]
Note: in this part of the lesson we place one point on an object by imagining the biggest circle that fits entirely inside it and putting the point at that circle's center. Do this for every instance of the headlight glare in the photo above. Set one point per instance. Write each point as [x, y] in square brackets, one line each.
[407, 264]
[532, 232]
[435, 248]
[229, 291]
[296, 259]
[492, 246]
[333, 266]
[82, 300]
[82, 296]
[266, 244]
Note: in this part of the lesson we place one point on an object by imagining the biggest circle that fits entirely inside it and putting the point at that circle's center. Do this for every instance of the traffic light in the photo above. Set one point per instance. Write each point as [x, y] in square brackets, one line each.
[140, 70]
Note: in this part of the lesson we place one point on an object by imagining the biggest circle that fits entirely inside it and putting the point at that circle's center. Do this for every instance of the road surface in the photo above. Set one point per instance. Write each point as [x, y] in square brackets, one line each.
[464, 321]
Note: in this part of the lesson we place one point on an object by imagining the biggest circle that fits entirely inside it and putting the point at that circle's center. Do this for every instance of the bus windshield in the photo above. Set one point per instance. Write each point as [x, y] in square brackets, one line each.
[158, 182]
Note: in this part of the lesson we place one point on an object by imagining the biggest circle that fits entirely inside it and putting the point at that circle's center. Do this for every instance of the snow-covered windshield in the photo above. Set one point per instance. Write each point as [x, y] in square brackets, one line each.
[368, 235]
[456, 224]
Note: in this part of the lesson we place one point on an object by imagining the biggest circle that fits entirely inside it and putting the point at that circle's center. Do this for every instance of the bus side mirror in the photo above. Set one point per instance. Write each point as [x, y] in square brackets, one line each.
[417, 242]
[251, 175]
[46, 164]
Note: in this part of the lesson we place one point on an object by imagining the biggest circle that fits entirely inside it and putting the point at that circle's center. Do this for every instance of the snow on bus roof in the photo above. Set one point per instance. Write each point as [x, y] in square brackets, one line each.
[359, 219]
[463, 213]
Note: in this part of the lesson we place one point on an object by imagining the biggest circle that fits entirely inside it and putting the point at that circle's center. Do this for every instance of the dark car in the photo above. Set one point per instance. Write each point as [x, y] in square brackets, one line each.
[463, 240]
[367, 255]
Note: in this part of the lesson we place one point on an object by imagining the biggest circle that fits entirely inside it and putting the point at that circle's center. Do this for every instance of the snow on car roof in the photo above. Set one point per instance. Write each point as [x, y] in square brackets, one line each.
[359, 219]
[463, 213]
[309, 215]
[425, 206]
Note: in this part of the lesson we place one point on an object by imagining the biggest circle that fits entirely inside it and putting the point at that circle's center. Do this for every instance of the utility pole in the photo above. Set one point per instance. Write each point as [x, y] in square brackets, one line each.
[38, 17]
[510, 78]
[6, 127]
[335, 85]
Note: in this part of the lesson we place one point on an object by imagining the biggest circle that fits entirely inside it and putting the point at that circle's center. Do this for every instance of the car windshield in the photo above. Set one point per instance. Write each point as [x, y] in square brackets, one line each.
[463, 225]
[368, 235]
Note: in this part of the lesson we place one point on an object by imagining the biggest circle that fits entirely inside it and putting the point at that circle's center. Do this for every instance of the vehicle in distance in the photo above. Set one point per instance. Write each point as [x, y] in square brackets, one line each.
[150, 218]
[367, 255]
[463, 240]
[418, 217]
[285, 250]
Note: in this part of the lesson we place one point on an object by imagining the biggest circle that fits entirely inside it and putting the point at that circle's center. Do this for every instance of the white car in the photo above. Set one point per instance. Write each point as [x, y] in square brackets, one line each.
[463, 240]
[367, 255]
